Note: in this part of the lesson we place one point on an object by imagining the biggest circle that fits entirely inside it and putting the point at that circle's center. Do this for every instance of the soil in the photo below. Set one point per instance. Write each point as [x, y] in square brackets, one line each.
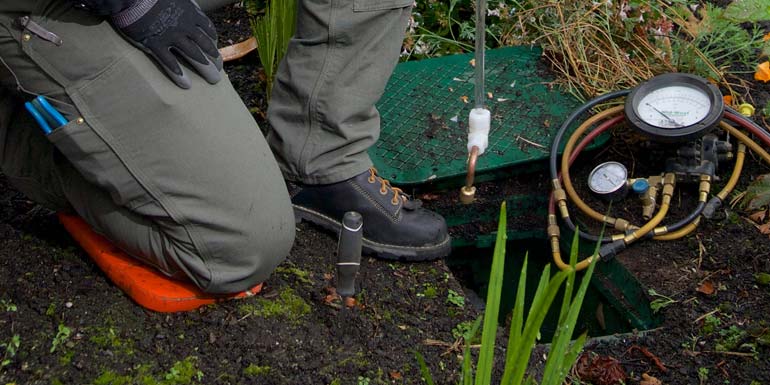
[75, 327]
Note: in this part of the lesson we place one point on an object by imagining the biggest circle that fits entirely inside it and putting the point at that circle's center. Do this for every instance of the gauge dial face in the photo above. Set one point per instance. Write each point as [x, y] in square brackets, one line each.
[607, 178]
[674, 106]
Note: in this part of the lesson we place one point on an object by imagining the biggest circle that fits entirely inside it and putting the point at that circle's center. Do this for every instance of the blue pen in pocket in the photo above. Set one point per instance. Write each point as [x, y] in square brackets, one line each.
[45, 115]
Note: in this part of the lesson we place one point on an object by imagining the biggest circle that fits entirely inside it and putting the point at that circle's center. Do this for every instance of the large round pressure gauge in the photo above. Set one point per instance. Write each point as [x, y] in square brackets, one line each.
[674, 107]
[609, 180]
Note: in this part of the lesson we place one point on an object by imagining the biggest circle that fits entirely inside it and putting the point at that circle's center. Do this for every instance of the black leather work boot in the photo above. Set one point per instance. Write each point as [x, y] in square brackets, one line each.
[395, 227]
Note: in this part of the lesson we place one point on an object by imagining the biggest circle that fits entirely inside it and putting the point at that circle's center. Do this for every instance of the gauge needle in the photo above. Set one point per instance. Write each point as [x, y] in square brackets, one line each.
[672, 121]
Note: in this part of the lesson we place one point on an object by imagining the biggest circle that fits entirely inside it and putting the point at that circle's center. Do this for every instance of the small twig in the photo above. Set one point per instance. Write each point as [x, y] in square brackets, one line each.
[737, 354]
[538, 145]
[451, 347]
[706, 315]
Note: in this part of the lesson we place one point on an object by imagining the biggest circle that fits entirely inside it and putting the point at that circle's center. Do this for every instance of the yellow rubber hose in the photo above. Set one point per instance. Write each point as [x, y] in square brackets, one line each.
[582, 206]
[739, 158]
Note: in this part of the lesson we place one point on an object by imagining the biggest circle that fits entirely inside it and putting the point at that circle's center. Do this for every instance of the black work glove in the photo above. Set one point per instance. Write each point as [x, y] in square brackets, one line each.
[170, 29]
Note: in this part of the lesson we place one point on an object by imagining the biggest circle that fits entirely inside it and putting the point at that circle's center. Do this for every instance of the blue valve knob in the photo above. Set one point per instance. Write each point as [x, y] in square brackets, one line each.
[640, 186]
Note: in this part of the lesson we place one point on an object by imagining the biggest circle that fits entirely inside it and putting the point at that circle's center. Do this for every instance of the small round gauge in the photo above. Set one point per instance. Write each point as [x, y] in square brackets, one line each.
[674, 107]
[609, 180]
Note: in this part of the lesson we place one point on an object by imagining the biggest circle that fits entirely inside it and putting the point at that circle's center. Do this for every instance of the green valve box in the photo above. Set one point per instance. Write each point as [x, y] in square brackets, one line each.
[425, 115]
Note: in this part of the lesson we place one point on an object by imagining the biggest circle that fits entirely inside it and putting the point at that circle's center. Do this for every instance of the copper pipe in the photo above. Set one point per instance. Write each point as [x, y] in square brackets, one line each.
[472, 158]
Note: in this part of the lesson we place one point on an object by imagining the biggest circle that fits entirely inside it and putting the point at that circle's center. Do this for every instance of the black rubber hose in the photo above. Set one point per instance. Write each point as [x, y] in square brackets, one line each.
[749, 122]
[571, 118]
[587, 236]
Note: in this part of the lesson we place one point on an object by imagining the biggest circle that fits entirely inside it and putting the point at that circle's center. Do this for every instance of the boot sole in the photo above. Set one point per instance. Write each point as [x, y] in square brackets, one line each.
[379, 250]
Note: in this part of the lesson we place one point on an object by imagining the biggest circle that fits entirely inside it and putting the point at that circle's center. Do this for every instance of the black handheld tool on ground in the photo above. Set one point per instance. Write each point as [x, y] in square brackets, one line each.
[349, 253]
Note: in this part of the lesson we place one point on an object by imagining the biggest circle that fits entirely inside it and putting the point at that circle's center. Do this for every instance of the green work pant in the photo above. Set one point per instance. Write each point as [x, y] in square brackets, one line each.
[180, 179]
[322, 115]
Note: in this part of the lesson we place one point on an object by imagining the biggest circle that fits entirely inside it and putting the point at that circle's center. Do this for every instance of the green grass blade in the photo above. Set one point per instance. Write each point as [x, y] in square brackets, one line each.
[489, 331]
[424, 371]
[287, 22]
[543, 300]
[467, 369]
[573, 253]
[563, 334]
[560, 344]
[517, 320]
[573, 352]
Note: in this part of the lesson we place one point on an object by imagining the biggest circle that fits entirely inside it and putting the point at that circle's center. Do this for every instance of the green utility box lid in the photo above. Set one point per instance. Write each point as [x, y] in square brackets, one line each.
[425, 115]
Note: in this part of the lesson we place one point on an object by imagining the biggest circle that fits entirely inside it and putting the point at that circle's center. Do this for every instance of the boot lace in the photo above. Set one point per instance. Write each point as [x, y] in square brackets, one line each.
[398, 194]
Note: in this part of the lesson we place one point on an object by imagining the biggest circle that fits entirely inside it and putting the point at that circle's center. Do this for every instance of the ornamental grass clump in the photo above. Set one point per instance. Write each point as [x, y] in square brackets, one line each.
[524, 332]
[602, 46]
[273, 26]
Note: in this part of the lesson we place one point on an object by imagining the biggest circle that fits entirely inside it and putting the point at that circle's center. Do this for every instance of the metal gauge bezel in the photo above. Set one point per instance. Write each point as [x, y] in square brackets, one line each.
[618, 191]
[677, 134]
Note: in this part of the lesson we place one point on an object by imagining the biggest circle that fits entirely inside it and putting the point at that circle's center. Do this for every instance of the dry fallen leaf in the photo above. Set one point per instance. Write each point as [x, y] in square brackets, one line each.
[396, 375]
[763, 72]
[600, 370]
[766, 38]
[728, 100]
[473, 62]
[649, 380]
[758, 216]
[464, 99]
[489, 95]
[706, 288]
[764, 229]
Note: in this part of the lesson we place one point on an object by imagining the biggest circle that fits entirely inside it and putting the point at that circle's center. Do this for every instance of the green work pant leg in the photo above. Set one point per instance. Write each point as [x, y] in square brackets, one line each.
[322, 115]
[181, 179]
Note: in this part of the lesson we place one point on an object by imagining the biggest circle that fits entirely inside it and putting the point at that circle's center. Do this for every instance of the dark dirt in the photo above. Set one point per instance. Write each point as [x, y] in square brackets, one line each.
[292, 334]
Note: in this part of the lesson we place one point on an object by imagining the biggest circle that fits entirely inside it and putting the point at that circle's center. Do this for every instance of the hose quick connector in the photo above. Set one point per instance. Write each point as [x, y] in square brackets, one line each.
[711, 207]
[610, 250]
[349, 253]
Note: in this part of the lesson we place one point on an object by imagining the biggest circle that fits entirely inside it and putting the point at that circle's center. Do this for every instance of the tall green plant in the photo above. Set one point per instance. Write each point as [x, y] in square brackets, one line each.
[523, 333]
[273, 29]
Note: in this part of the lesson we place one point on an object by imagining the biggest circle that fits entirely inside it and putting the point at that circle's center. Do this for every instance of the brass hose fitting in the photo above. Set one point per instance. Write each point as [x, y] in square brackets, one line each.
[560, 197]
[468, 192]
[704, 188]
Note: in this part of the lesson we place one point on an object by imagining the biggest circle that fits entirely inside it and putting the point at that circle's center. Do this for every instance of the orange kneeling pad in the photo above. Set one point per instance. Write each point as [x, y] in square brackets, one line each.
[148, 287]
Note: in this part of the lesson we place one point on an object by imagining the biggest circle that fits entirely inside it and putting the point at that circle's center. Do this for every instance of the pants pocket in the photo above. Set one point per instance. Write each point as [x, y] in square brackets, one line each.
[379, 5]
[98, 164]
